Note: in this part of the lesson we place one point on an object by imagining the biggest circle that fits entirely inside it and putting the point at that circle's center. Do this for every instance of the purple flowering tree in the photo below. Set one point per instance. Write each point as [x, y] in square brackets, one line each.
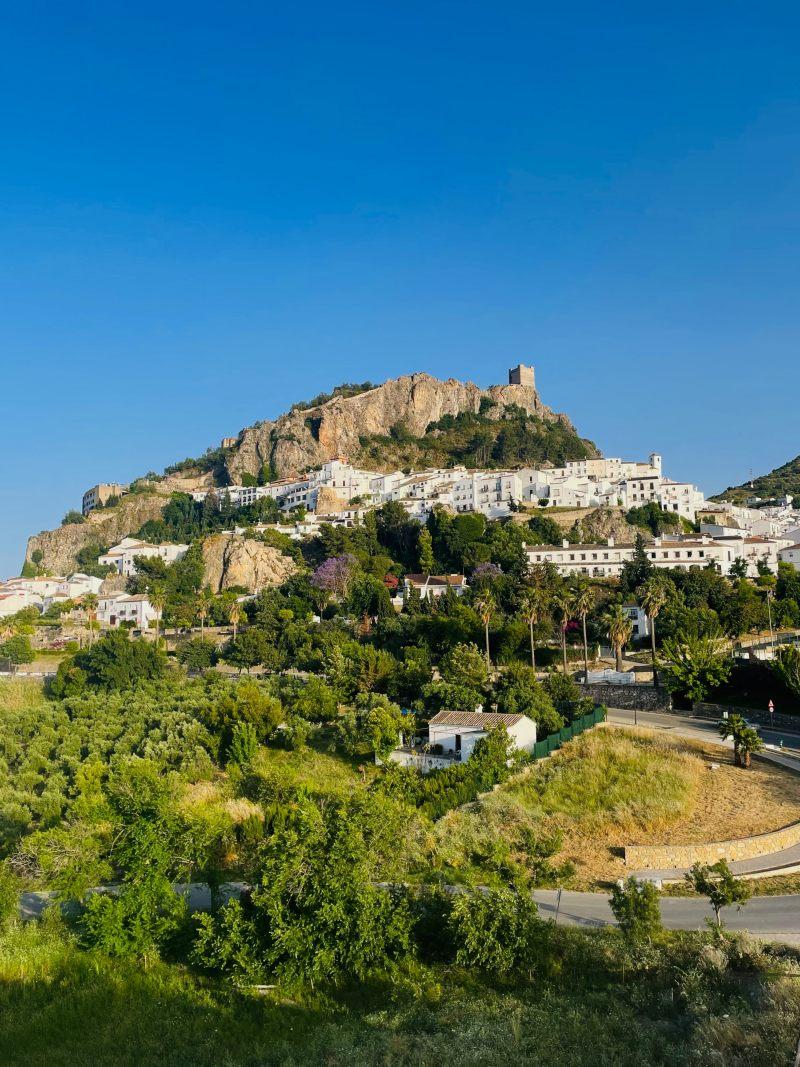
[334, 575]
[486, 573]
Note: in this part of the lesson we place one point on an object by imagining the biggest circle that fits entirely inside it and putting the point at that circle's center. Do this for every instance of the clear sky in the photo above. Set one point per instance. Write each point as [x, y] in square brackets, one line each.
[209, 211]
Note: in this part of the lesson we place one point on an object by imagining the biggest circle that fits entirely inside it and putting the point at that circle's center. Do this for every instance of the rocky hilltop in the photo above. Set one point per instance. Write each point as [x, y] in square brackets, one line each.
[305, 438]
[408, 421]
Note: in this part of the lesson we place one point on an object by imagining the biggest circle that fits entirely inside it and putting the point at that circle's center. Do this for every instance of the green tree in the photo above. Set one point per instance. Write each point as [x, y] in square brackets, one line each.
[620, 630]
[16, 650]
[72, 517]
[486, 606]
[197, 654]
[718, 884]
[146, 912]
[89, 604]
[693, 665]
[746, 739]
[317, 914]
[250, 649]
[635, 907]
[496, 932]
[562, 609]
[787, 667]
[653, 598]
[464, 665]
[426, 561]
[534, 606]
[582, 603]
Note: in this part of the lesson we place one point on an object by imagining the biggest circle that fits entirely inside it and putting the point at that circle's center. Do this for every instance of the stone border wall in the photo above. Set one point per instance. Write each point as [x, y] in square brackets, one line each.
[642, 697]
[659, 857]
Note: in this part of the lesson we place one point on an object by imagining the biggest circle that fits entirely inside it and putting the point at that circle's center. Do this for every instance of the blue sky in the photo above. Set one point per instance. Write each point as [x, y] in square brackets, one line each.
[208, 212]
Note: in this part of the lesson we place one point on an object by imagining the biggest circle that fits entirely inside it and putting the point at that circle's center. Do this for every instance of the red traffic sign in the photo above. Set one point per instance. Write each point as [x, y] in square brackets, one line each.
[771, 706]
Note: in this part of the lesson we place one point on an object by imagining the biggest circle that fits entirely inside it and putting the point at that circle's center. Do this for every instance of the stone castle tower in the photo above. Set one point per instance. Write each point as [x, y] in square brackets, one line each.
[522, 375]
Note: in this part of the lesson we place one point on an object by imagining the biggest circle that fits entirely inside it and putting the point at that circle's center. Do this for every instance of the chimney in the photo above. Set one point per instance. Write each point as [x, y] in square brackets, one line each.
[657, 542]
[611, 542]
[565, 543]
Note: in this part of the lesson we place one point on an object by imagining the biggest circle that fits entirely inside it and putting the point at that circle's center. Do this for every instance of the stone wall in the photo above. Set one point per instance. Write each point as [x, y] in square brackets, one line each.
[759, 715]
[659, 857]
[640, 697]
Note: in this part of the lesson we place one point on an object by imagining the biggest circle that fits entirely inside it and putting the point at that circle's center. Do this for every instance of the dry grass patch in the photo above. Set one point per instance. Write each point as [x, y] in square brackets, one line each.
[610, 788]
[20, 694]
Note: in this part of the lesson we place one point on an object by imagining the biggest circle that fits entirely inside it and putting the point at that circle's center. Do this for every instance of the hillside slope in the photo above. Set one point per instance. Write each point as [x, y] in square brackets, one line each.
[784, 479]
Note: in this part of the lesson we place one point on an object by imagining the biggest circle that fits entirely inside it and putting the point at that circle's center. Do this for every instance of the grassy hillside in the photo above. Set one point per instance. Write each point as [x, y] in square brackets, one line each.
[61, 1007]
[785, 479]
[475, 440]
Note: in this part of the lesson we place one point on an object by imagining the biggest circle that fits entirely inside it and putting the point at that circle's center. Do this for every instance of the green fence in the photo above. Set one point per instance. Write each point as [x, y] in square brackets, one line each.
[554, 741]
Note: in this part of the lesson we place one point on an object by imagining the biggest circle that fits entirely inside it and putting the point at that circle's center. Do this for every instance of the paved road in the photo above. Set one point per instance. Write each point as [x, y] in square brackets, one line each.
[774, 918]
[691, 726]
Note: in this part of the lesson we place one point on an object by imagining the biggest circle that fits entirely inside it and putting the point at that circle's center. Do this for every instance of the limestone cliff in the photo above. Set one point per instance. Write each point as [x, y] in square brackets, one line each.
[305, 438]
[233, 561]
[105, 527]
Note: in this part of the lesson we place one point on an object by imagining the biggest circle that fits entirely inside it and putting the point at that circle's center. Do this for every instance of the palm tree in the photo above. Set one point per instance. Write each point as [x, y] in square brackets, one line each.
[90, 607]
[203, 607]
[562, 605]
[653, 597]
[533, 608]
[158, 598]
[486, 606]
[583, 604]
[234, 614]
[620, 631]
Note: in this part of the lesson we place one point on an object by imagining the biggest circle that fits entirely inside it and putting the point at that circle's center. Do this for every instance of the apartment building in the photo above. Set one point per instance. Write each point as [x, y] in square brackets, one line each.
[607, 560]
[99, 495]
[124, 555]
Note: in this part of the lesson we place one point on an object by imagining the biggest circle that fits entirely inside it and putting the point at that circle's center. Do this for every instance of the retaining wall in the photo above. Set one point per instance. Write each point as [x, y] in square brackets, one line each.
[659, 857]
[640, 697]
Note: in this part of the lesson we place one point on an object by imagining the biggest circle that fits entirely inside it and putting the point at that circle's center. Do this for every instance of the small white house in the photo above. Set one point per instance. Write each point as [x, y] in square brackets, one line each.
[116, 608]
[124, 555]
[434, 585]
[457, 732]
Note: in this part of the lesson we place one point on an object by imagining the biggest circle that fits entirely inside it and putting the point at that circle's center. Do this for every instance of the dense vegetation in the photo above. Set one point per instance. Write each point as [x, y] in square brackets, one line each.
[515, 439]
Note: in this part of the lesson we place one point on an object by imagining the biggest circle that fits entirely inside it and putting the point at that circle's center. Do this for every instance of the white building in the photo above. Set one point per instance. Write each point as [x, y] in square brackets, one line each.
[639, 620]
[116, 608]
[790, 555]
[14, 600]
[434, 585]
[684, 553]
[124, 555]
[454, 734]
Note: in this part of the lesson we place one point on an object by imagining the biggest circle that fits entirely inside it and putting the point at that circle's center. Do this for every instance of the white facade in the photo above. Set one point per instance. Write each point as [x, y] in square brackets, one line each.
[124, 555]
[457, 732]
[607, 560]
[116, 608]
[434, 585]
[639, 620]
[791, 555]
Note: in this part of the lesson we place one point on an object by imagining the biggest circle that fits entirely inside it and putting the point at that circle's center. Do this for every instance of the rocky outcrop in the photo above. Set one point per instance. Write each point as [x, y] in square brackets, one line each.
[598, 524]
[306, 438]
[105, 527]
[233, 561]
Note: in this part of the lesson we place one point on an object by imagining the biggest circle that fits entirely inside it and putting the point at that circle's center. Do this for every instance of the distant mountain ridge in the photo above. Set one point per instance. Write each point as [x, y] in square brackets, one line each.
[784, 479]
